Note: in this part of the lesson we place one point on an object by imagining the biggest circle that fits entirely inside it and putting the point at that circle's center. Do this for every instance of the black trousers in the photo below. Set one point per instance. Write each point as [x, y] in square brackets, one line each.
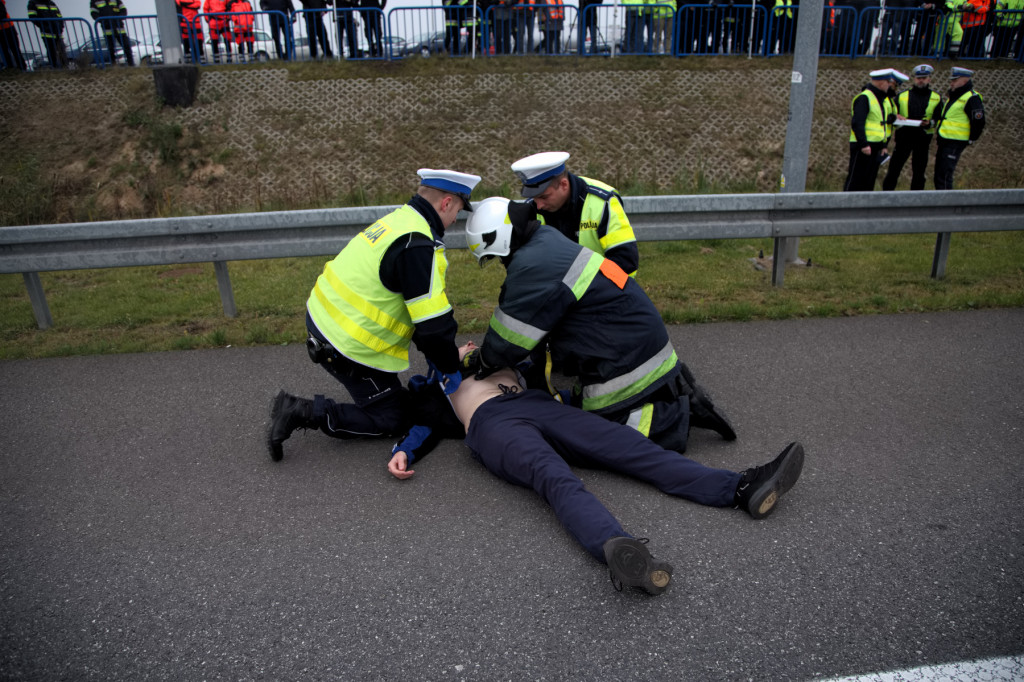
[11, 49]
[947, 155]
[119, 36]
[863, 168]
[278, 29]
[380, 402]
[915, 145]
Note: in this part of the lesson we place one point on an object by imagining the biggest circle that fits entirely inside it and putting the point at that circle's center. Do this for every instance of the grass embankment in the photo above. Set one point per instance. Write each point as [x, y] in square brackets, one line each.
[137, 159]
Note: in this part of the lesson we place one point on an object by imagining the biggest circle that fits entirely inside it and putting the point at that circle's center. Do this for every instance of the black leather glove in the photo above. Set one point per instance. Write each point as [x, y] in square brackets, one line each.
[473, 363]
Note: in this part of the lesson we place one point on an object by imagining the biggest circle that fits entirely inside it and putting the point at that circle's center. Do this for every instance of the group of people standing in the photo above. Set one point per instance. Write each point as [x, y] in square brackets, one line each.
[228, 21]
[917, 115]
[923, 28]
[371, 16]
[47, 17]
[513, 26]
[569, 307]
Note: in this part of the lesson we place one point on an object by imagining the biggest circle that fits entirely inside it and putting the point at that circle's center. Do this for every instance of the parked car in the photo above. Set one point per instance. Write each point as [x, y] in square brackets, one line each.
[90, 51]
[263, 49]
[427, 44]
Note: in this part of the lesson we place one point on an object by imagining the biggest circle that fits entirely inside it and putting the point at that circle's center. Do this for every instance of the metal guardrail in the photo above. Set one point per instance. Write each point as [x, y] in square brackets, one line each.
[251, 236]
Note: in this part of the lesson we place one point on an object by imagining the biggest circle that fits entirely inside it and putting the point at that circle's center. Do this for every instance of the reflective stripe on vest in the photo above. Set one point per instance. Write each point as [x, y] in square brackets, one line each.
[641, 418]
[593, 216]
[622, 388]
[955, 124]
[578, 277]
[361, 318]
[875, 127]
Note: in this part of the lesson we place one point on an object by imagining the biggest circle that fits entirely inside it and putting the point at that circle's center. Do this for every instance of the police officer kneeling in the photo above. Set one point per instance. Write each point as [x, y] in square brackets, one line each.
[599, 324]
[385, 289]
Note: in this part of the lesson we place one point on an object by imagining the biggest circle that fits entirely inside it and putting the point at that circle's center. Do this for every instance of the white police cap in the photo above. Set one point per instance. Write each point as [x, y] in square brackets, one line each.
[899, 76]
[960, 72]
[453, 182]
[537, 171]
[880, 74]
[922, 70]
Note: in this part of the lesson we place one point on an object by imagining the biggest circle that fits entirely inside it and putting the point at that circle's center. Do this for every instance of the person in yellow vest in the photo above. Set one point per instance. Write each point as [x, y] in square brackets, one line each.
[871, 118]
[1008, 21]
[917, 104]
[585, 210]
[784, 23]
[961, 122]
[384, 290]
[664, 20]
[948, 39]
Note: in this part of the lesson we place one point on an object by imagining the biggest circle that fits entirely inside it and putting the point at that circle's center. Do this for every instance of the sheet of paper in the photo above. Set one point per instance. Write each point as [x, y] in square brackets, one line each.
[908, 122]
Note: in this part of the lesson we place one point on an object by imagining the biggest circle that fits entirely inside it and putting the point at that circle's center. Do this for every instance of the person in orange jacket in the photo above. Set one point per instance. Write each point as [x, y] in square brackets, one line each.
[973, 21]
[243, 28]
[9, 44]
[220, 27]
[191, 30]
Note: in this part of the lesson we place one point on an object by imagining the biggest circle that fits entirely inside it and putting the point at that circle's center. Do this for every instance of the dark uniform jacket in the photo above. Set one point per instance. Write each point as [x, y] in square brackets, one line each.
[47, 17]
[605, 330]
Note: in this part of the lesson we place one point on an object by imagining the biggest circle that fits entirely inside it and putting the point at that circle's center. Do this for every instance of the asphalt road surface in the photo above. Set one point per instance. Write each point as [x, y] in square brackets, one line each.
[146, 535]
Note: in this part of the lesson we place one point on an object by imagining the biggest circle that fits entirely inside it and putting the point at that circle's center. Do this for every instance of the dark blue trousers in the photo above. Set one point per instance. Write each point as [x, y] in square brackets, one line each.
[529, 439]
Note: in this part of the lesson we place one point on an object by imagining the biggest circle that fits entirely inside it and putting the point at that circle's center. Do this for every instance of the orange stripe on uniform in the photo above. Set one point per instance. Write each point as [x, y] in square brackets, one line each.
[613, 272]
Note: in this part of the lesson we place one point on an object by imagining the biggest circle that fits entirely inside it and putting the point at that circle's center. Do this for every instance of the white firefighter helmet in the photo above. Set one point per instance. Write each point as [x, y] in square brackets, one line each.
[489, 229]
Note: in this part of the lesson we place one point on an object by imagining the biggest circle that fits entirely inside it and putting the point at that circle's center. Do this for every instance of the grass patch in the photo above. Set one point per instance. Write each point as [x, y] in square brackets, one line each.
[128, 310]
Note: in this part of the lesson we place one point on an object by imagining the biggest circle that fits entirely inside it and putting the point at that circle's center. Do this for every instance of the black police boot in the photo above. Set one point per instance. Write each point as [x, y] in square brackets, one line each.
[287, 413]
[704, 415]
[629, 563]
[761, 487]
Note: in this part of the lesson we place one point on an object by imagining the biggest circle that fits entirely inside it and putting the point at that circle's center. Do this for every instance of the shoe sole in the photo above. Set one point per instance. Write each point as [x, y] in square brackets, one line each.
[275, 449]
[764, 499]
[632, 565]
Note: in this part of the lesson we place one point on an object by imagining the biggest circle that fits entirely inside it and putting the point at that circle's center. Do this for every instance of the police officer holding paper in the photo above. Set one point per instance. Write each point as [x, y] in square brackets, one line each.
[917, 104]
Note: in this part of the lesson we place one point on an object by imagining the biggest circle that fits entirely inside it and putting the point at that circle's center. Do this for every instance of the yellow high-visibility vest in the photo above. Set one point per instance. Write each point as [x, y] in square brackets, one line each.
[363, 320]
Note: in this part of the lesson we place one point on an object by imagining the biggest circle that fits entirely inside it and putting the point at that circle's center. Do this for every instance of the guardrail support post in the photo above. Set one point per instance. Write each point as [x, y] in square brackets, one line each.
[227, 296]
[38, 298]
[941, 253]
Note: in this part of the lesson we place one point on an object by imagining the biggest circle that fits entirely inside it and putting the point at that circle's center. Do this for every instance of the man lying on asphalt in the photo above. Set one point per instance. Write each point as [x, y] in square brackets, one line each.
[527, 438]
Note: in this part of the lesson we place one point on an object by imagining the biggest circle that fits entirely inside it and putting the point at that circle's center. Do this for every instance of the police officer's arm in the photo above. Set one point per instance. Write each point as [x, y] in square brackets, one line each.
[526, 312]
[408, 268]
[619, 241]
[976, 115]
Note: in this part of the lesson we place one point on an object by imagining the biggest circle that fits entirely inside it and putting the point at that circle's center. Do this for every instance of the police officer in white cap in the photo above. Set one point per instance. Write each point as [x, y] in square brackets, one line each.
[961, 122]
[585, 210]
[871, 117]
[917, 104]
[385, 289]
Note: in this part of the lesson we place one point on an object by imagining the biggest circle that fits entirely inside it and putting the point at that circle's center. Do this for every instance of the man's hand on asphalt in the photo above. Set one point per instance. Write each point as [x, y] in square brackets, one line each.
[397, 466]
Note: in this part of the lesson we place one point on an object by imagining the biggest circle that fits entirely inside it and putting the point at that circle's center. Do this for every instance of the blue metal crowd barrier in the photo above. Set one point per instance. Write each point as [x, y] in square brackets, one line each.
[535, 28]
[68, 42]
